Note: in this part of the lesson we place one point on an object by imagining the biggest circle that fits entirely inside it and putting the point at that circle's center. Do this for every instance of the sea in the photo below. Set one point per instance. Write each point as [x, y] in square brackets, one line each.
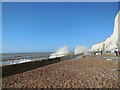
[17, 58]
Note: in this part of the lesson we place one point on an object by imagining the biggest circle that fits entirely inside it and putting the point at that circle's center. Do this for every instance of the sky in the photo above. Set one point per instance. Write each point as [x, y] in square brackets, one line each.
[47, 26]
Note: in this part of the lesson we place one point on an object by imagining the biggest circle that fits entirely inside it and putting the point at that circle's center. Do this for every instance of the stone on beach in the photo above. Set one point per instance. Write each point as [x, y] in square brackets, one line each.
[87, 72]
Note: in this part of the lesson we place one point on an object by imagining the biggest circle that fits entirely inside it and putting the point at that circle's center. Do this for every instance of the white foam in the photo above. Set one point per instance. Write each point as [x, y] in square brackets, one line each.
[109, 59]
[60, 52]
[12, 62]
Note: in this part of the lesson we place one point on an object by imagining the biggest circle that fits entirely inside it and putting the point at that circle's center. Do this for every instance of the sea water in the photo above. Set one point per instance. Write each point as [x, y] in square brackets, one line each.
[17, 58]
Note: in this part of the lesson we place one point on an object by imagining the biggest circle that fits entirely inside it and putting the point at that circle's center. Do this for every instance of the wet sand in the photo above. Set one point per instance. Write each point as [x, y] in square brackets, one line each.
[87, 72]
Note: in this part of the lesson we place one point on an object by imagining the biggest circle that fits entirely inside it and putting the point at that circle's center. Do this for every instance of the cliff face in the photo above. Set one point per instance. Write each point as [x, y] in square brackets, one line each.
[113, 42]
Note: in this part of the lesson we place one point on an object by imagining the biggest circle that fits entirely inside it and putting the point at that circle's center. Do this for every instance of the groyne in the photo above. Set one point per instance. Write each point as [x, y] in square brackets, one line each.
[19, 68]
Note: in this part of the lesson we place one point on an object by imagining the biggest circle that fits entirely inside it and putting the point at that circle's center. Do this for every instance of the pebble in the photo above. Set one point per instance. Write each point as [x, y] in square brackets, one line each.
[91, 72]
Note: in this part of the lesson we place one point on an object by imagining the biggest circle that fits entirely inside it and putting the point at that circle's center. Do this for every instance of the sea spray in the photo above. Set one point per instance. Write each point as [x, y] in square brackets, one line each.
[80, 49]
[60, 52]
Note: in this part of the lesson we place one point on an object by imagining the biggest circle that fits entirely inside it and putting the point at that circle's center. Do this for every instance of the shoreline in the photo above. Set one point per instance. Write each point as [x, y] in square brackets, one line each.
[12, 69]
[87, 72]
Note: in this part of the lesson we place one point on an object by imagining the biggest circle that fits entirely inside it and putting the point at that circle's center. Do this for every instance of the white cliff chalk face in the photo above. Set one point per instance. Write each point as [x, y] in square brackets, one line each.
[113, 42]
[60, 52]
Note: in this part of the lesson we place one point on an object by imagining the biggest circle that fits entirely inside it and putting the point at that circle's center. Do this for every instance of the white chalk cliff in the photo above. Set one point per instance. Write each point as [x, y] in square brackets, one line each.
[112, 43]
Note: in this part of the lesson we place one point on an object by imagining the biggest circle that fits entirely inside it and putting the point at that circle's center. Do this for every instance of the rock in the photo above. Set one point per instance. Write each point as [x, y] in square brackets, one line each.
[56, 77]
[111, 43]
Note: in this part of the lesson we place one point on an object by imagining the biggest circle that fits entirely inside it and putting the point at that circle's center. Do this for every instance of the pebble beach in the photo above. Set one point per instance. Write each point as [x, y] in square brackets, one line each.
[86, 72]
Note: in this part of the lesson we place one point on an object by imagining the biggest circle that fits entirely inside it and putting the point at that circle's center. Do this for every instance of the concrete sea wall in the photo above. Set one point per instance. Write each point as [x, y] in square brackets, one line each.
[19, 68]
